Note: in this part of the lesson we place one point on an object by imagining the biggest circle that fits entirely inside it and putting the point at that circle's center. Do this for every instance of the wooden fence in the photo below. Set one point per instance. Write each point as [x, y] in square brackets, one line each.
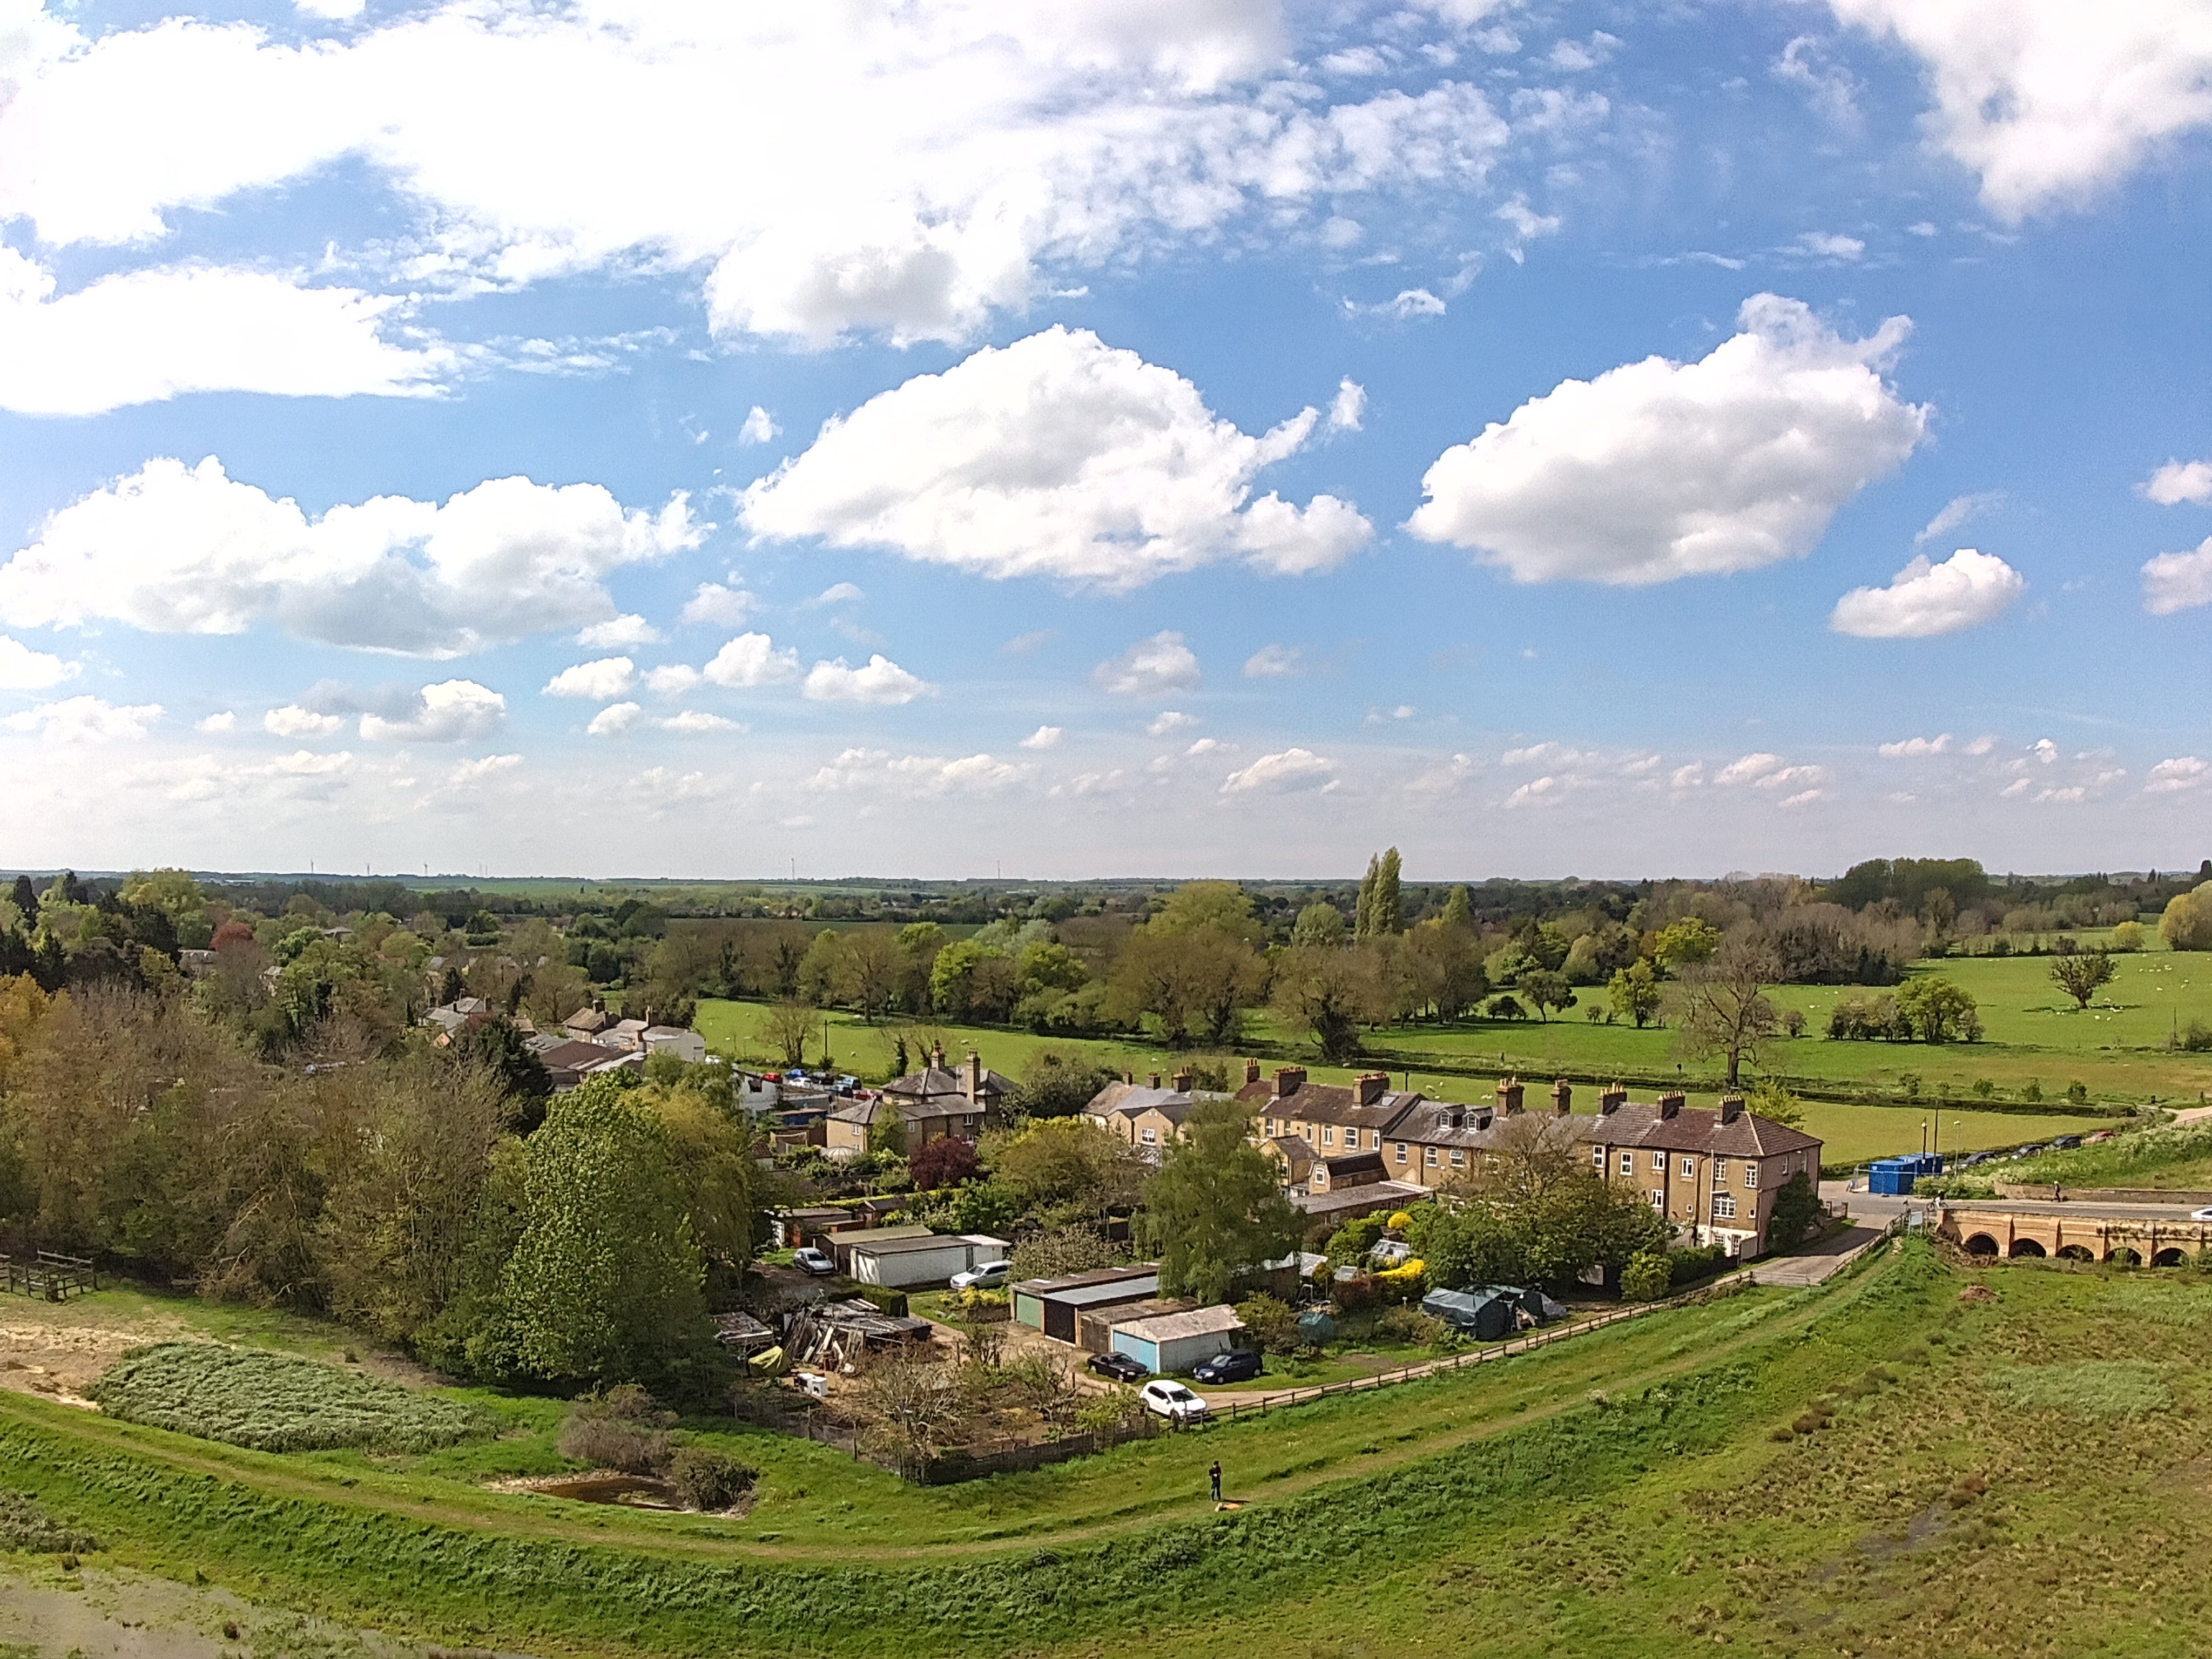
[49, 1276]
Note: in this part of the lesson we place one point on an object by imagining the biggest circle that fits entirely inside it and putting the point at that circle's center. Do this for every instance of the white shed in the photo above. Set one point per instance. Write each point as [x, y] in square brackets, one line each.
[1169, 1343]
[904, 1263]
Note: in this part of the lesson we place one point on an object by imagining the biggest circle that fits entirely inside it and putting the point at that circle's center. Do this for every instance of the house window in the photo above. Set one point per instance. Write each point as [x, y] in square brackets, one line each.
[1329, 1137]
[1401, 1151]
[1597, 1159]
[1689, 1166]
[1628, 1164]
[1658, 1164]
[1459, 1158]
[1658, 1199]
[1724, 1206]
[1751, 1174]
[1429, 1156]
[1720, 1171]
[1149, 1137]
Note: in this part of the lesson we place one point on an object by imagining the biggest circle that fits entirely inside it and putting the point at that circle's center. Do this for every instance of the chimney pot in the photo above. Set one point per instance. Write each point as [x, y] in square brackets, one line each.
[1670, 1104]
[1251, 1071]
[1153, 1079]
[1610, 1101]
[1562, 1097]
[1509, 1096]
[1372, 1086]
[1182, 1080]
[1289, 1080]
[974, 1090]
[1731, 1108]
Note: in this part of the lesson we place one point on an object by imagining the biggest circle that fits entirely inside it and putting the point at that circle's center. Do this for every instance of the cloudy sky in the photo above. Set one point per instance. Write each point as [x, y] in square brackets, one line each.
[686, 437]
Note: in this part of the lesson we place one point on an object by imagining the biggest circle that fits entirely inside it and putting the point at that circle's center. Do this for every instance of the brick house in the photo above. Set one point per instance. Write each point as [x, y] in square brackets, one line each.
[1143, 1115]
[1713, 1172]
[932, 1102]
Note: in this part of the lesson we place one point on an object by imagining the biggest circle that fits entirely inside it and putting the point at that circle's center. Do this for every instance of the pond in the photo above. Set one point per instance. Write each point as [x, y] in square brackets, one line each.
[637, 1491]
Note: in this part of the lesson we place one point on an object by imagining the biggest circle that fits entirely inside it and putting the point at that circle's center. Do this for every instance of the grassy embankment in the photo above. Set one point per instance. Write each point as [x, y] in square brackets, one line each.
[1876, 1467]
[1853, 1132]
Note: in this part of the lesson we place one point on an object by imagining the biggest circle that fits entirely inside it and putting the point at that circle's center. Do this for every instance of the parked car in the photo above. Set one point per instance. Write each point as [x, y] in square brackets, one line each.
[1173, 1402]
[989, 1276]
[1237, 1366]
[2065, 1142]
[2200, 1215]
[1117, 1366]
[811, 1261]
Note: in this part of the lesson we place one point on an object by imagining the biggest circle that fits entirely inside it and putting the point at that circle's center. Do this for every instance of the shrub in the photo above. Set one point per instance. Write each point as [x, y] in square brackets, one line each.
[277, 1402]
[1648, 1276]
[624, 1429]
[2193, 1039]
[1796, 1207]
[1409, 1324]
[25, 1526]
[1701, 1261]
[708, 1480]
[1270, 1323]
[2187, 923]
[2128, 936]
[1402, 1284]
[883, 1299]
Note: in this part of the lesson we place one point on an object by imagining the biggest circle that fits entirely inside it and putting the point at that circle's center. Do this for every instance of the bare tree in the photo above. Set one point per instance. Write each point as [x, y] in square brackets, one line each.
[1720, 1005]
[1530, 1154]
[790, 1023]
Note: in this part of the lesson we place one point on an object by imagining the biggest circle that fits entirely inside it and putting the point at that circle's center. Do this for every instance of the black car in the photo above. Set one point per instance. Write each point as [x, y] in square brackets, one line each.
[1237, 1366]
[1118, 1366]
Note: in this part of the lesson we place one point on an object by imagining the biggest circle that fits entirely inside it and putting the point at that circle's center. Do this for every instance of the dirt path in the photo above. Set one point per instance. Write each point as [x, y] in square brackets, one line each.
[522, 1518]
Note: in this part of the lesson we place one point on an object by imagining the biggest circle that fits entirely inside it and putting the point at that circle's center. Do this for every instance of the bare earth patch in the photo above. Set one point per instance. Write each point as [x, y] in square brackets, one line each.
[61, 1358]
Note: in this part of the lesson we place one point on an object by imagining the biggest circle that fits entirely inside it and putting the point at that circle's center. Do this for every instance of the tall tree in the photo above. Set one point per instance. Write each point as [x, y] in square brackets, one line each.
[2083, 974]
[1363, 915]
[1216, 1209]
[1389, 917]
[1721, 1006]
[1459, 909]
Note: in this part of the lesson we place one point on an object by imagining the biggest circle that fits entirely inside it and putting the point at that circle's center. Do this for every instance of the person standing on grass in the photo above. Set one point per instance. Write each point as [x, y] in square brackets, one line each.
[1215, 1472]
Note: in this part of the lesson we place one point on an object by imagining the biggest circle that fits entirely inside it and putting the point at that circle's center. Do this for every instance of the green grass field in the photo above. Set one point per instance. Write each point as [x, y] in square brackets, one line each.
[1876, 1467]
[1853, 1134]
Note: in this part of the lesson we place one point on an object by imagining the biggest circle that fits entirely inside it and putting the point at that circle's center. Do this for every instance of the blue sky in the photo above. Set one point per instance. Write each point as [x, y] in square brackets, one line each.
[1208, 437]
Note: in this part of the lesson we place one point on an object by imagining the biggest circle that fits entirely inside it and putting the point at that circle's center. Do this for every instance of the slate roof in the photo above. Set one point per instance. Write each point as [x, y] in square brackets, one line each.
[1693, 1129]
[933, 1082]
[1132, 1099]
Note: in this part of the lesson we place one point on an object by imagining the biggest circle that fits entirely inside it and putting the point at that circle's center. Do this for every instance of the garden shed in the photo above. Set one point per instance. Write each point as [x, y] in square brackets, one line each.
[1485, 1313]
[1052, 1305]
[1168, 1343]
[899, 1260]
[1094, 1328]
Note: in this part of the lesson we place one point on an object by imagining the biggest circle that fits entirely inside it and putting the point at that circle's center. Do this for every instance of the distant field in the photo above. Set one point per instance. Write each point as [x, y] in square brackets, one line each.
[1854, 1133]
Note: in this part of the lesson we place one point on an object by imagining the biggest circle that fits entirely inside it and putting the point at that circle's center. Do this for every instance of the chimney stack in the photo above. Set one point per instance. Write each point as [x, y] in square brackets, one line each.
[1562, 1097]
[1289, 1080]
[1183, 1081]
[1610, 1101]
[937, 1055]
[1509, 1096]
[974, 1090]
[1251, 1071]
[1670, 1104]
[1731, 1108]
[1151, 1080]
[1372, 1086]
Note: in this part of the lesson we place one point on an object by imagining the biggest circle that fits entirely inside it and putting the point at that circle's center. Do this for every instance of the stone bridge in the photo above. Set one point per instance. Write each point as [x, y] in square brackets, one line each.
[2158, 1236]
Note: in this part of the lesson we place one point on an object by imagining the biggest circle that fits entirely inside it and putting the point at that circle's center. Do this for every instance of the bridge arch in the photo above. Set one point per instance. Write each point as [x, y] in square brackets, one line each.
[1982, 1244]
[2076, 1253]
[2122, 1255]
[2171, 1256]
[2026, 1247]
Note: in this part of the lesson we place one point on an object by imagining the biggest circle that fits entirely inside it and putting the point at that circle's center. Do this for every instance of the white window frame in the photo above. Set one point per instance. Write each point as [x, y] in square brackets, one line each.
[1658, 1199]
[1149, 1137]
[1597, 1159]
[1658, 1164]
[1750, 1173]
[1720, 1171]
[1628, 1164]
[1429, 1157]
[1459, 1158]
[1724, 1206]
[1329, 1135]
[1689, 1169]
[1401, 1151]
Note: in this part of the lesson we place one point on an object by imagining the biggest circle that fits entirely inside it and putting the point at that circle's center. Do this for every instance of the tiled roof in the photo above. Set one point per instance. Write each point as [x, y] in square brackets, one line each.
[935, 1080]
[1693, 1129]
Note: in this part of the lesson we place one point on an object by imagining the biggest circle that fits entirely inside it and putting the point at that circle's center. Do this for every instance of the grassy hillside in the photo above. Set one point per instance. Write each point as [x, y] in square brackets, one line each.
[1878, 1467]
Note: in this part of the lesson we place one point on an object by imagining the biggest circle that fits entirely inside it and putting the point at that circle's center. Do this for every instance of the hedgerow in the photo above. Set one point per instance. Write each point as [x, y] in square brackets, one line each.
[275, 1402]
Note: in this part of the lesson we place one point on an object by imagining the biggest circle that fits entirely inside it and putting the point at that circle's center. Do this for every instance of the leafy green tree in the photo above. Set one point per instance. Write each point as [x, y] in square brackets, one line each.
[2187, 923]
[1548, 990]
[1773, 1100]
[1684, 944]
[1796, 1207]
[2083, 974]
[1635, 992]
[498, 1049]
[1647, 1278]
[1381, 906]
[1195, 981]
[1197, 906]
[1939, 1011]
[1328, 993]
[1215, 1210]
[1459, 909]
[1362, 914]
[606, 1282]
[1319, 923]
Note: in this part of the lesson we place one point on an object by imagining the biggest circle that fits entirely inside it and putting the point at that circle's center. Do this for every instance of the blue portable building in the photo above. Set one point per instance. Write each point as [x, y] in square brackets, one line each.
[1894, 1176]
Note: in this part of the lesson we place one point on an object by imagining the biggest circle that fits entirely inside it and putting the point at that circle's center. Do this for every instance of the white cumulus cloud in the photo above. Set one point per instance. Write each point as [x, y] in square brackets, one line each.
[1350, 404]
[1286, 773]
[22, 669]
[1045, 737]
[928, 775]
[610, 677]
[879, 680]
[2172, 777]
[2051, 100]
[1150, 668]
[452, 711]
[1924, 599]
[1273, 662]
[1955, 512]
[2178, 581]
[1917, 748]
[614, 720]
[85, 720]
[294, 721]
[618, 632]
[760, 426]
[139, 337]
[1056, 456]
[2181, 481]
[1660, 469]
[178, 550]
[716, 605]
[224, 721]
[749, 660]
